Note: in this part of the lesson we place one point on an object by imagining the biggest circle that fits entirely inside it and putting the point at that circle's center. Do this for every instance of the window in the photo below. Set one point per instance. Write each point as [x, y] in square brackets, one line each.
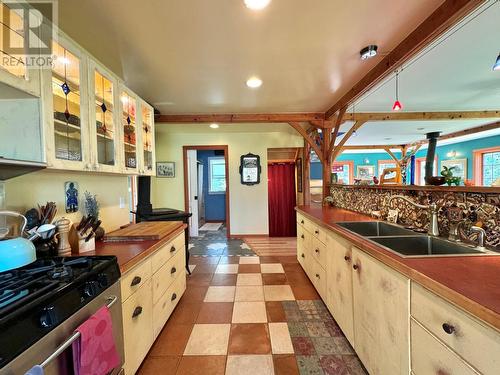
[345, 172]
[420, 170]
[384, 164]
[486, 166]
[216, 175]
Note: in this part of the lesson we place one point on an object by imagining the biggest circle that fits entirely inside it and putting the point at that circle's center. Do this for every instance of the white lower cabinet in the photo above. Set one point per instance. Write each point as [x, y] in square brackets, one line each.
[395, 325]
[150, 292]
[381, 311]
[339, 284]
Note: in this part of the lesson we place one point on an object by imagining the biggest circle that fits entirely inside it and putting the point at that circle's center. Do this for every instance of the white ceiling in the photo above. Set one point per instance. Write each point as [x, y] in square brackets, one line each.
[454, 75]
[194, 56]
[225, 128]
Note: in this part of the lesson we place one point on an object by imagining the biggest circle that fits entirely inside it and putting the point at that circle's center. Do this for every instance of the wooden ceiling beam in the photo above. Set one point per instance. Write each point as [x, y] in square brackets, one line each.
[391, 154]
[445, 16]
[338, 122]
[338, 149]
[422, 116]
[241, 118]
[372, 147]
[477, 129]
[309, 140]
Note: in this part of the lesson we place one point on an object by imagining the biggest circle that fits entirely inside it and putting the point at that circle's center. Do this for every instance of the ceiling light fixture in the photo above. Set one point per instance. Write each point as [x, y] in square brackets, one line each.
[397, 106]
[368, 52]
[256, 4]
[497, 63]
[214, 126]
[254, 82]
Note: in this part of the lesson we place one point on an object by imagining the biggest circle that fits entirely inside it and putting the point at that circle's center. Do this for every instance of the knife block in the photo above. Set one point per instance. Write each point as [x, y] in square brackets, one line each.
[78, 244]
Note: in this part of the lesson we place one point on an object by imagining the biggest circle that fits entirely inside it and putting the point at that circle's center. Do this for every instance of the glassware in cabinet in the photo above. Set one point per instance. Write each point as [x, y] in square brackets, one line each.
[105, 129]
[129, 106]
[147, 139]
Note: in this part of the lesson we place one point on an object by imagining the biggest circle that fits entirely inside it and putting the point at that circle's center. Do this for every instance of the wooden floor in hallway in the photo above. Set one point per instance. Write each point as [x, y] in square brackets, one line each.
[255, 315]
[272, 246]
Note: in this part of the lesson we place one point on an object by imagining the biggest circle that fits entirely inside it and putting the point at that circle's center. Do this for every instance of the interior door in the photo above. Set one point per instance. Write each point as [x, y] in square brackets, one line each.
[282, 200]
[192, 165]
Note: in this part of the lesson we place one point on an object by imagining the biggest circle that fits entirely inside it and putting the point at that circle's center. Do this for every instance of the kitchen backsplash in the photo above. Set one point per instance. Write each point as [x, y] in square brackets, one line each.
[474, 207]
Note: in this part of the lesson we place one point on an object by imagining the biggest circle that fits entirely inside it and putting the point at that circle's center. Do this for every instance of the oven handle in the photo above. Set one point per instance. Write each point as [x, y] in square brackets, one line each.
[110, 301]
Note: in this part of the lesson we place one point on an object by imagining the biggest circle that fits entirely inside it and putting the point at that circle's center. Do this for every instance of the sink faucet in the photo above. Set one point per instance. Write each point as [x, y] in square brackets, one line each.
[481, 233]
[433, 211]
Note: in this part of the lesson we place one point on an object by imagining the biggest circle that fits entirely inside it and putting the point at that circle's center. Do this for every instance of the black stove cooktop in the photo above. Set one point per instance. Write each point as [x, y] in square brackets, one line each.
[38, 297]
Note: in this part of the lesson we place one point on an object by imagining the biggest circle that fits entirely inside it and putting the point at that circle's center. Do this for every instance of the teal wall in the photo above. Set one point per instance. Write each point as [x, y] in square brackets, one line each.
[463, 150]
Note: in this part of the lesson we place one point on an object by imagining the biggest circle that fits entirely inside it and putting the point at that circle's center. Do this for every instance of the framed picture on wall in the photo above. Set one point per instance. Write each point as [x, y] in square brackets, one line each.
[250, 169]
[459, 167]
[365, 172]
[165, 169]
[299, 175]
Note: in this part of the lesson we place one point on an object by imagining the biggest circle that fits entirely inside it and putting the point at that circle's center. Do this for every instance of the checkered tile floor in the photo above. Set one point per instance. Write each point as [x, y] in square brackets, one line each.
[250, 315]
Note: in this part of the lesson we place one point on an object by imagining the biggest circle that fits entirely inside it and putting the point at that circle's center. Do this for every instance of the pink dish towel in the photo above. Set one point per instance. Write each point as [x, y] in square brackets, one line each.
[95, 352]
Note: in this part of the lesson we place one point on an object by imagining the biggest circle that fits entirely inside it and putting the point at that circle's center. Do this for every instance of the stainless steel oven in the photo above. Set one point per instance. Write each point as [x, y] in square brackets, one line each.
[53, 351]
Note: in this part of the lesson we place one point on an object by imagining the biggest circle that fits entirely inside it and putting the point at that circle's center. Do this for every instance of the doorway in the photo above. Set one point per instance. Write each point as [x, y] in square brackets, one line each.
[206, 188]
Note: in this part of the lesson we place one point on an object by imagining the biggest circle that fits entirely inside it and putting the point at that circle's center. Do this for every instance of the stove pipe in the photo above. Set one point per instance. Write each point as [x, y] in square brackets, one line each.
[431, 153]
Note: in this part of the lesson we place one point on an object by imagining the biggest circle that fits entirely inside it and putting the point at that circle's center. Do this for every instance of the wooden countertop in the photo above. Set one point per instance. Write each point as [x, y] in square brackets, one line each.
[132, 252]
[470, 282]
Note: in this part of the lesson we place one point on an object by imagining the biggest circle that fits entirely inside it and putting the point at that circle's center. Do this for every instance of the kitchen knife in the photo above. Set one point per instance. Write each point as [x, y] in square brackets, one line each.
[94, 228]
[82, 223]
[87, 226]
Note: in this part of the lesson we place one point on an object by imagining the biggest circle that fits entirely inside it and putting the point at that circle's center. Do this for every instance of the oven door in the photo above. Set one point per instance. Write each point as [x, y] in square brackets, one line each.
[54, 349]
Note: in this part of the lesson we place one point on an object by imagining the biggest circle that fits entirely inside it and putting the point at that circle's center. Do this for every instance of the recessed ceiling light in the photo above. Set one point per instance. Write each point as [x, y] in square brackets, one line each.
[256, 4]
[214, 126]
[420, 129]
[254, 82]
[388, 139]
[368, 52]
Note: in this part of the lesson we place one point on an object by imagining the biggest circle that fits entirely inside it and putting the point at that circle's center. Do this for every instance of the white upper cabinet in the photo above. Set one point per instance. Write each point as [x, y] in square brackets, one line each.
[129, 124]
[147, 140]
[13, 68]
[105, 132]
[65, 96]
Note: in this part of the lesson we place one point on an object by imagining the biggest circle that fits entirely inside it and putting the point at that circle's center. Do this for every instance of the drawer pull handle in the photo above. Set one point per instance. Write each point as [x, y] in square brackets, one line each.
[355, 267]
[173, 270]
[317, 251]
[302, 222]
[302, 236]
[316, 232]
[136, 280]
[172, 249]
[347, 258]
[317, 275]
[137, 312]
[448, 328]
[174, 297]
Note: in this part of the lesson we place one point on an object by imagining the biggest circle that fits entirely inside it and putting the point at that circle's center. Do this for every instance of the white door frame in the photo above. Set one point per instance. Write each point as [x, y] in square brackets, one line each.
[192, 166]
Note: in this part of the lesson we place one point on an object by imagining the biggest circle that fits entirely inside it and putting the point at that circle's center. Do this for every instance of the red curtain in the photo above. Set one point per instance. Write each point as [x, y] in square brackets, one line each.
[282, 200]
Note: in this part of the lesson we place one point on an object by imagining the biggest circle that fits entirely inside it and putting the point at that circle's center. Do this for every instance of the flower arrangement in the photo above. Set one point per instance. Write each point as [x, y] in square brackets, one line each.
[91, 205]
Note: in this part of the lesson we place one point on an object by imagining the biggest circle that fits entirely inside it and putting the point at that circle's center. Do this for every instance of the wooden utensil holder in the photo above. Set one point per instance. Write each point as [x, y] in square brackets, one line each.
[78, 244]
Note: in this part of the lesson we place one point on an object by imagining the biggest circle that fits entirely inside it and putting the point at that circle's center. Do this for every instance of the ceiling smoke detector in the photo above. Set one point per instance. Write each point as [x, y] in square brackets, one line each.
[368, 52]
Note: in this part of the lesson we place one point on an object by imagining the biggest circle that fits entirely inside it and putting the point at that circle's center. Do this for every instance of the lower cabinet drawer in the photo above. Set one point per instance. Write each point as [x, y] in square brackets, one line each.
[137, 327]
[166, 275]
[317, 275]
[167, 302]
[472, 340]
[135, 279]
[431, 357]
[319, 252]
[167, 252]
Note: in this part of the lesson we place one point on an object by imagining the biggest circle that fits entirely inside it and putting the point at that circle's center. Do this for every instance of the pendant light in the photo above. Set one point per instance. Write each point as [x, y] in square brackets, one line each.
[497, 63]
[397, 106]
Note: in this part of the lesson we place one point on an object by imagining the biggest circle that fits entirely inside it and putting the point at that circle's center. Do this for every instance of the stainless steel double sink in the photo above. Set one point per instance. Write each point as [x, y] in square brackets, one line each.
[407, 243]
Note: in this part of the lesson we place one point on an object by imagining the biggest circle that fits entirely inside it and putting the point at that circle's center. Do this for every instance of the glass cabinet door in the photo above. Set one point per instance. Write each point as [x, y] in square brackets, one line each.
[66, 105]
[129, 105]
[147, 138]
[104, 120]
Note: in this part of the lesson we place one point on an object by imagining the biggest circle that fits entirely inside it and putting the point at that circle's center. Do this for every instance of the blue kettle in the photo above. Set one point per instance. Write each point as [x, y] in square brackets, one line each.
[15, 252]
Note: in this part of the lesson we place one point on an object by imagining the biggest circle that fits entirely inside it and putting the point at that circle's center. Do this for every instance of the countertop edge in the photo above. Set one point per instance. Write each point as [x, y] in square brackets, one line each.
[473, 308]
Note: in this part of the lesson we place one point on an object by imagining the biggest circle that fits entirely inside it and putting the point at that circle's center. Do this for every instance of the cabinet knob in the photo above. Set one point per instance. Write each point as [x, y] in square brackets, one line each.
[448, 328]
[303, 256]
[174, 297]
[347, 258]
[302, 222]
[316, 232]
[355, 267]
[302, 236]
[173, 270]
[172, 249]
[317, 251]
[137, 312]
[136, 280]
[317, 275]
